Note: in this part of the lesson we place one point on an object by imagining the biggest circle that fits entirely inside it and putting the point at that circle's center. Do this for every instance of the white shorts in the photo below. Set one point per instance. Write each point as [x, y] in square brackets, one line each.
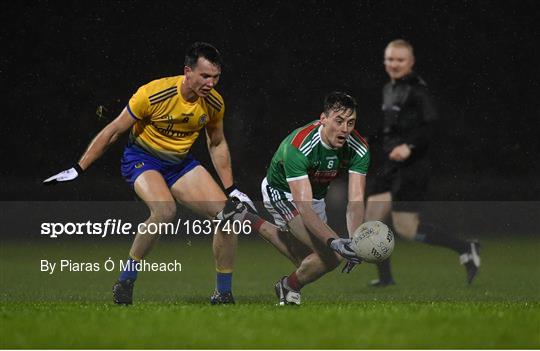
[281, 206]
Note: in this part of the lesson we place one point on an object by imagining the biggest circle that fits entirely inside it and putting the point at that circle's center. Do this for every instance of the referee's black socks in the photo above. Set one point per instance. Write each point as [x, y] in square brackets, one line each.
[433, 235]
[384, 271]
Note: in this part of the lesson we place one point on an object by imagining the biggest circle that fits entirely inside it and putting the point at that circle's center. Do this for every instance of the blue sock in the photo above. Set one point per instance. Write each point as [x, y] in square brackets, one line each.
[129, 272]
[223, 282]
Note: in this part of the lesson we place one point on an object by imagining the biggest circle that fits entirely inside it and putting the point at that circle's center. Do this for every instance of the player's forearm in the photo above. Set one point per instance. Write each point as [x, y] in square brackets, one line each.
[314, 224]
[221, 158]
[355, 215]
[97, 147]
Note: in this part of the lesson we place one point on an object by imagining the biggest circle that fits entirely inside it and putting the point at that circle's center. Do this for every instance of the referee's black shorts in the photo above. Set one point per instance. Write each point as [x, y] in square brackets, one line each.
[406, 181]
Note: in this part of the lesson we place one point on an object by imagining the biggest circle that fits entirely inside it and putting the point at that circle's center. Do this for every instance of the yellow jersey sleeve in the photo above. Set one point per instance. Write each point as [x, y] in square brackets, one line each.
[139, 105]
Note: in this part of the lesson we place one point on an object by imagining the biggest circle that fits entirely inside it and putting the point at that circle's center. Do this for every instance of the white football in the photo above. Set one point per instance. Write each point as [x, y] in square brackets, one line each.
[373, 241]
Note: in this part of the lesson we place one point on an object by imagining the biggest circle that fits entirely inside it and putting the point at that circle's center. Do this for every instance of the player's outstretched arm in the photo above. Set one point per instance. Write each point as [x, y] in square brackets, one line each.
[355, 209]
[97, 147]
[221, 158]
[355, 206]
[219, 152]
[303, 197]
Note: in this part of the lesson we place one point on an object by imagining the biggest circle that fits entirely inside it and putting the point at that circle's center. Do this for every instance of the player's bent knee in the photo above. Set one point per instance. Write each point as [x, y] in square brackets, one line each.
[164, 212]
[378, 207]
[406, 229]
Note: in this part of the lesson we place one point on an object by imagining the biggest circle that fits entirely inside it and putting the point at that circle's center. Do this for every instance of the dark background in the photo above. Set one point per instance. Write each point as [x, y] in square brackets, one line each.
[61, 61]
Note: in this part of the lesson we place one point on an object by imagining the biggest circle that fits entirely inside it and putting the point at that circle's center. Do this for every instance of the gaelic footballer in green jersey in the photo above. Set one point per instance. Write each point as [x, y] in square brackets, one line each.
[301, 170]
[303, 154]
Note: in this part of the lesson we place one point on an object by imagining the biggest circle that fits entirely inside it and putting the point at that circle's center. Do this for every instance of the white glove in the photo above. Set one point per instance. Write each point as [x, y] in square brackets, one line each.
[64, 176]
[342, 247]
[234, 209]
[348, 266]
[233, 192]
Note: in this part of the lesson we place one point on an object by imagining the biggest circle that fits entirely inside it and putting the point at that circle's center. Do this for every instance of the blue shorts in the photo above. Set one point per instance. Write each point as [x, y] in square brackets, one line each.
[135, 161]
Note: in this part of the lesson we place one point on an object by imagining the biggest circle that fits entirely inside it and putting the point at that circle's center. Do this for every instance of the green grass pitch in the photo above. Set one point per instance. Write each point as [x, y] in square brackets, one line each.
[431, 307]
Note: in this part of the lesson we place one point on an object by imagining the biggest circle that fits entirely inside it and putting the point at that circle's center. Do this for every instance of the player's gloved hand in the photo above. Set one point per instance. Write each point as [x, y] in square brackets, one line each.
[232, 191]
[234, 210]
[343, 247]
[64, 176]
[349, 265]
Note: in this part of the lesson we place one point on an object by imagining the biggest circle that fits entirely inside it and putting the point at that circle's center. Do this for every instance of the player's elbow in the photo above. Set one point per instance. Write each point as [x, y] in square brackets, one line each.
[114, 137]
[110, 134]
[214, 140]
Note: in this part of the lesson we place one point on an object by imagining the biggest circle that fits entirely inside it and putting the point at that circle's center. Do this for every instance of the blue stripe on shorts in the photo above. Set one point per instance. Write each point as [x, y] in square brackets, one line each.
[135, 161]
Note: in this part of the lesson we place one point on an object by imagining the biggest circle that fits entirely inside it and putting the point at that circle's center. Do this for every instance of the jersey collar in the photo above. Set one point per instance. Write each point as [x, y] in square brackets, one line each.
[179, 87]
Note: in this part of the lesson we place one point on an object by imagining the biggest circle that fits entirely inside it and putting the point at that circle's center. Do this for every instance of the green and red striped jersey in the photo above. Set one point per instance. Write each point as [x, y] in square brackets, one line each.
[302, 154]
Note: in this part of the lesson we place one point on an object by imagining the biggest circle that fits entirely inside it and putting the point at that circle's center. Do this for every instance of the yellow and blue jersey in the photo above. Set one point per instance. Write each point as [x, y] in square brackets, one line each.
[167, 125]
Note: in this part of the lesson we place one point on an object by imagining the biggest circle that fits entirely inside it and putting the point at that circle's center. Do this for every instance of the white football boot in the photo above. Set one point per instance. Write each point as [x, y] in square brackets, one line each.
[286, 296]
[471, 260]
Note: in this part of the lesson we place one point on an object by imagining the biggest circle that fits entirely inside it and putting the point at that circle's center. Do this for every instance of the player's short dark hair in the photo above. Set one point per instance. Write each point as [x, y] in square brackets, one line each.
[339, 101]
[205, 50]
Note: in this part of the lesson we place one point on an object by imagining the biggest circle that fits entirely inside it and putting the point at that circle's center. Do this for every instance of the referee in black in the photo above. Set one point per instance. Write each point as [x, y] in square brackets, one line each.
[400, 182]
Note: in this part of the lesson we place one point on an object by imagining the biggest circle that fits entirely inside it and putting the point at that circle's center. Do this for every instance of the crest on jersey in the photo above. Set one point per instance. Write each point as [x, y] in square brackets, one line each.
[202, 120]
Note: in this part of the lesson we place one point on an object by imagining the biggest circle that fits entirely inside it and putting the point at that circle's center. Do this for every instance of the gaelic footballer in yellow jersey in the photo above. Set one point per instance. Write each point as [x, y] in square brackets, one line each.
[165, 117]
[168, 125]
